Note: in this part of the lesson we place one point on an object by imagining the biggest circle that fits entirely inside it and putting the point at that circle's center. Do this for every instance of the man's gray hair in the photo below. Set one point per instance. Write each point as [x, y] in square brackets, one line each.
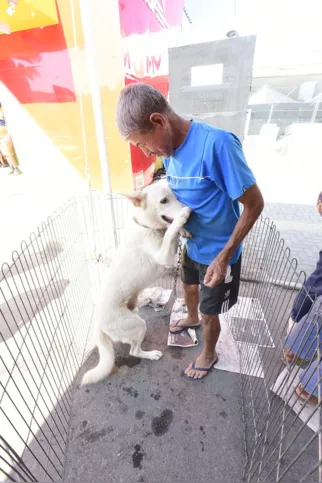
[135, 105]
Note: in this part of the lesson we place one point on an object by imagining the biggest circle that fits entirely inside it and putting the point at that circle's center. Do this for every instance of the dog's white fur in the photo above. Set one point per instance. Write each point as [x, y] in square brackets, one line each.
[148, 249]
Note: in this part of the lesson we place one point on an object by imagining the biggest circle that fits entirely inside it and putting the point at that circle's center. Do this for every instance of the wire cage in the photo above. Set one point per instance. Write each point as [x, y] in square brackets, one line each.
[47, 298]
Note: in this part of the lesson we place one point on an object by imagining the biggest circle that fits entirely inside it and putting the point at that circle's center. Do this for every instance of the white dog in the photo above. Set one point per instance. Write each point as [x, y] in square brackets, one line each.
[148, 249]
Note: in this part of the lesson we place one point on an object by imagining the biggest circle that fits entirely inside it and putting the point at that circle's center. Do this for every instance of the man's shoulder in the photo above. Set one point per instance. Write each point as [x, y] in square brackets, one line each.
[213, 134]
[212, 130]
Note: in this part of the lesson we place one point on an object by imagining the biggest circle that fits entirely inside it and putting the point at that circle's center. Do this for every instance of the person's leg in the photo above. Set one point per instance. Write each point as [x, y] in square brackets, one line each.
[310, 380]
[2, 160]
[311, 289]
[14, 165]
[191, 298]
[5, 151]
[11, 157]
[302, 342]
[211, 332]
[213, 301]
[190, 280]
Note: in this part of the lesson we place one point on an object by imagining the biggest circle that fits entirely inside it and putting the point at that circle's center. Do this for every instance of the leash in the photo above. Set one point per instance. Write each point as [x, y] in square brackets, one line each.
[177, 269]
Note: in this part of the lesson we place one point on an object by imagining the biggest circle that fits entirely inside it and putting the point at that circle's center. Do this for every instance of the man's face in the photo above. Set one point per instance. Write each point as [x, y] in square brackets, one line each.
[156, 142]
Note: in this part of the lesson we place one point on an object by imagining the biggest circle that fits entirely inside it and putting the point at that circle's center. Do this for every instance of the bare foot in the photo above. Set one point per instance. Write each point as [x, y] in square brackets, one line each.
[306, 396]
[289, 357]
[202, 365]
[184, 323]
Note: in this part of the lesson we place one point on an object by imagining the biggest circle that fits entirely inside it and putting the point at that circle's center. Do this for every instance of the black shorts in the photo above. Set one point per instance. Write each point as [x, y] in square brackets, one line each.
[213, 300]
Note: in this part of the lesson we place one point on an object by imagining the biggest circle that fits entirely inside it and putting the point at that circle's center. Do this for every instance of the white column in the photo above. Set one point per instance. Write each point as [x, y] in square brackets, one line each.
[86, 9]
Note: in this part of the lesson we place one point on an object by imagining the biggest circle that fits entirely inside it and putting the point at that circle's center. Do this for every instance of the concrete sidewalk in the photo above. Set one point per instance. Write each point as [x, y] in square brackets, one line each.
[301, 228]
[149, 423]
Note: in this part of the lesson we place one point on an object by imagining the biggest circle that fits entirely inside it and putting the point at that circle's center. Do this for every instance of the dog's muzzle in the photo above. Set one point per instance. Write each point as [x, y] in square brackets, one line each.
[166, 219]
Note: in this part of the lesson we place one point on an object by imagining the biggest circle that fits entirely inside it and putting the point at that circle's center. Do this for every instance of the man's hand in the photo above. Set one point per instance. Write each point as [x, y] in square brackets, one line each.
[216, 271]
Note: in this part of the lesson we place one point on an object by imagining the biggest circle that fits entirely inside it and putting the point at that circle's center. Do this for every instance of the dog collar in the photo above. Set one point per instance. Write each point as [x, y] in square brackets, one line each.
[140, 224]
[147, 227]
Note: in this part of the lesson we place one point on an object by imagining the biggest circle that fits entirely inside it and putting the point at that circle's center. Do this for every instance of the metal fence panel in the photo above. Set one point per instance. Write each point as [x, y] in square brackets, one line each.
[45, 312]
[282, 432]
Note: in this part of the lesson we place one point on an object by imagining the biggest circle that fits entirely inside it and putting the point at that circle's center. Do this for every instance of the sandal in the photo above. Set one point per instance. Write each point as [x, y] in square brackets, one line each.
[182, 328]
[201, 369]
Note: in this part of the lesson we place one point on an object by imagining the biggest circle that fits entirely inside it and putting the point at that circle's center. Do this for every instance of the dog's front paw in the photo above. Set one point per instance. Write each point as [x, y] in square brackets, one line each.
[183, 217]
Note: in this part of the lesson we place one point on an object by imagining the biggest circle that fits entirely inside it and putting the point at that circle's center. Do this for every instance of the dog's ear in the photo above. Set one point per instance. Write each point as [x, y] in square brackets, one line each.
[137, 198]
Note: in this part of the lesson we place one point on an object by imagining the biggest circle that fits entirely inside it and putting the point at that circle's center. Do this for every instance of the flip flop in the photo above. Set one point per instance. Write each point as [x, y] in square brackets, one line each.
[183, 328]
[201, 369]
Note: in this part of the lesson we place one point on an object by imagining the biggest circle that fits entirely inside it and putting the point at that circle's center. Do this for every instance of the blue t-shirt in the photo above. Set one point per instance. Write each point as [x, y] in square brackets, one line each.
[208, 173]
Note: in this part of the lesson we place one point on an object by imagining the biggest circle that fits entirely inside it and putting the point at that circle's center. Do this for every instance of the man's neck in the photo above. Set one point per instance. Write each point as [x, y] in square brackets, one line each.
[180, 128]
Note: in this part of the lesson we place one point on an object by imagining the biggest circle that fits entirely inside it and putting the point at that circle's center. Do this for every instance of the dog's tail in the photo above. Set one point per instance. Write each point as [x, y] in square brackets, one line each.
[106, 362]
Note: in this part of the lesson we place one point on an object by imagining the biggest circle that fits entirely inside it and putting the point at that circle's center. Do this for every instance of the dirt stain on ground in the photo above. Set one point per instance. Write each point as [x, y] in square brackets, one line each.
[131, 391]
[91, 437]
[139, 414]
[160, 425]
[137, 457]
[156, 395]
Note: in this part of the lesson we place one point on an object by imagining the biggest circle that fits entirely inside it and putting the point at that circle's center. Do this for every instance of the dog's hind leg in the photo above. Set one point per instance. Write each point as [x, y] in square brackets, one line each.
[130, 328]
[138, 335]
[132, 331]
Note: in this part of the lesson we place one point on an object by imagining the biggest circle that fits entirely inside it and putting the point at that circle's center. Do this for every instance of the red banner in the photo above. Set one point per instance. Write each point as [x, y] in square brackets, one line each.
[149, 28]
[35, 65]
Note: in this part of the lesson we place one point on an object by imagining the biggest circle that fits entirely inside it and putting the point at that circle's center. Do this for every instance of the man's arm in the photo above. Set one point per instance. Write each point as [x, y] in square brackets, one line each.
[253, 203]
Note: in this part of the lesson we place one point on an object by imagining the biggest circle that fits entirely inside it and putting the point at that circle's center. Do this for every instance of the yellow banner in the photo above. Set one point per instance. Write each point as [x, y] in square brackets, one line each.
[28, 14]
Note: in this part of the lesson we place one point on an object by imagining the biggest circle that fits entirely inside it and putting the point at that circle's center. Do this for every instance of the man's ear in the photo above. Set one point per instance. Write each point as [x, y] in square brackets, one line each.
[157, 118]
[137, 198]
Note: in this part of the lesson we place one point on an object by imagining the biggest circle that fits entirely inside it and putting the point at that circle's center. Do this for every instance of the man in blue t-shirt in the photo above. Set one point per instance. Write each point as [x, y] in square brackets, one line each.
[207, 171]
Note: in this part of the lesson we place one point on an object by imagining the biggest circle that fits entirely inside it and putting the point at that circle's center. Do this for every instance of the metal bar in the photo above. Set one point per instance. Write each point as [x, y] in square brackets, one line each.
[34, 455]
[16, 458]
[7, 474]
[39, 427]
[309, 473]
[297, 456]
[32, 343]
[13, 468]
